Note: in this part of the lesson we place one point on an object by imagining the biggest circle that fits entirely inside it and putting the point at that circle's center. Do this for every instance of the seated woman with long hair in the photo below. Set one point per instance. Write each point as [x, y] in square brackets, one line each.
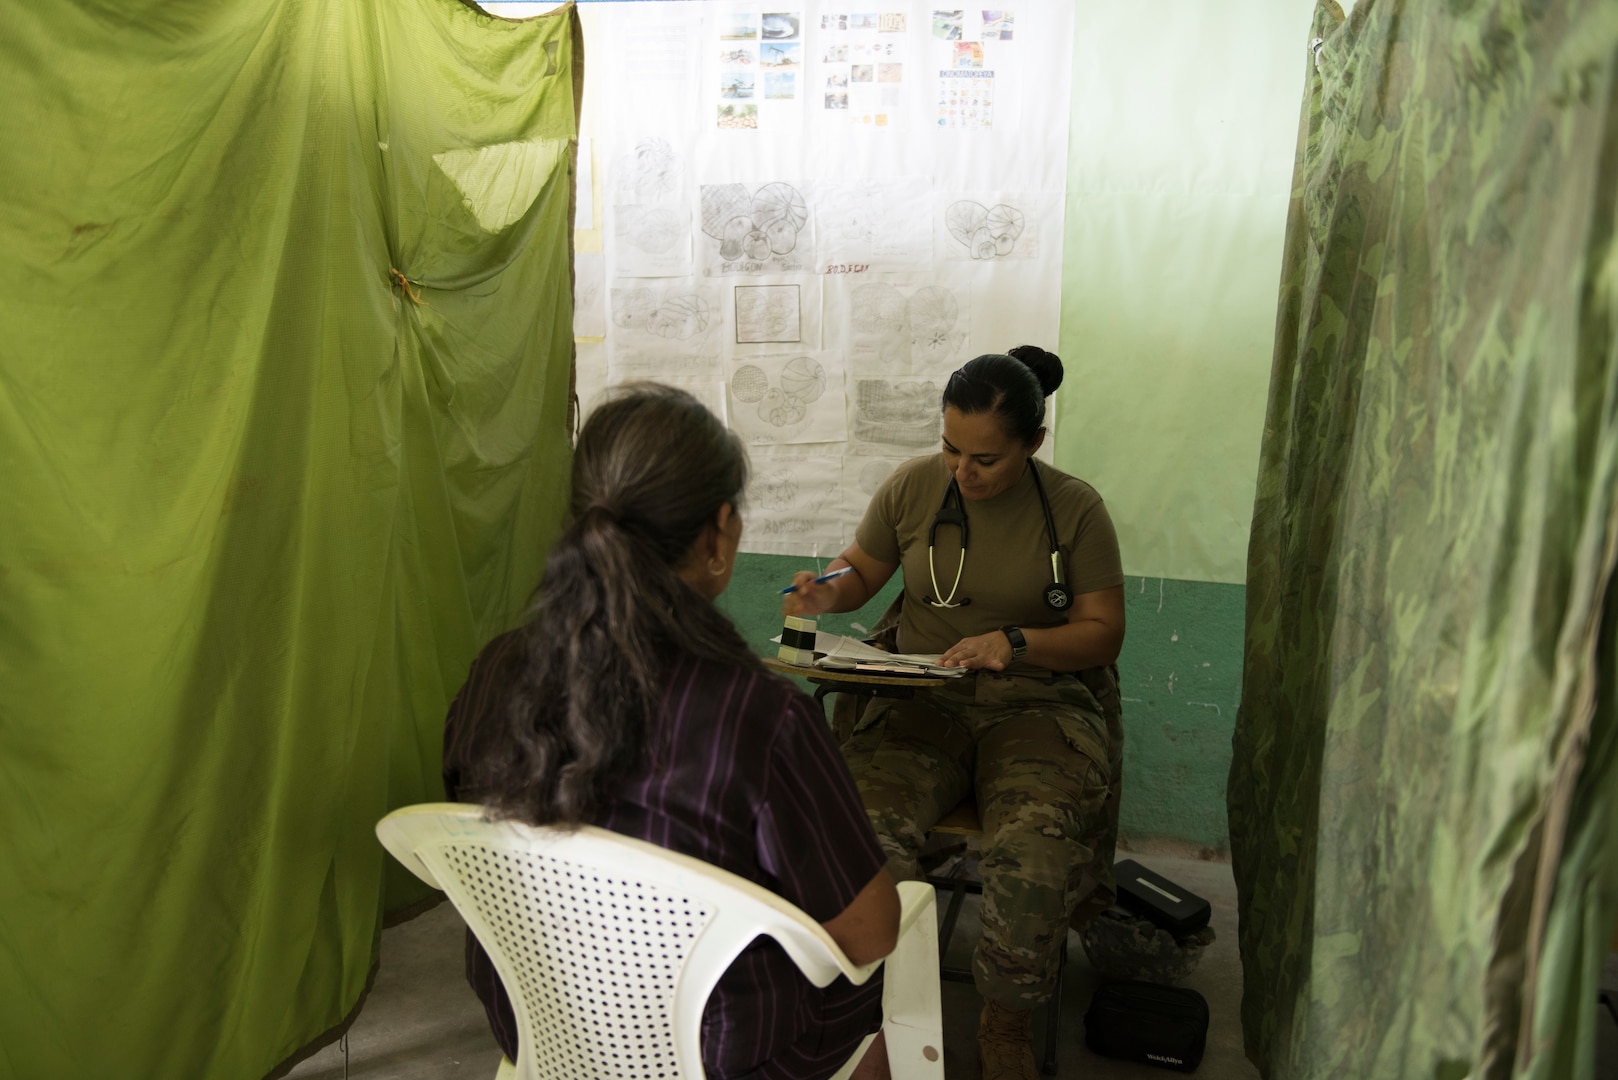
[629, 701]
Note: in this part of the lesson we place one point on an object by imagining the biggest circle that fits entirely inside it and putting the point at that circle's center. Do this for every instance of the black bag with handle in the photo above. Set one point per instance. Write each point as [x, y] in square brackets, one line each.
[1166, 1026]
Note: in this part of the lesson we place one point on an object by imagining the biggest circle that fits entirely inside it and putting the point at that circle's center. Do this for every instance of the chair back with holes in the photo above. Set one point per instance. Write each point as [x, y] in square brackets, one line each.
[608, 946]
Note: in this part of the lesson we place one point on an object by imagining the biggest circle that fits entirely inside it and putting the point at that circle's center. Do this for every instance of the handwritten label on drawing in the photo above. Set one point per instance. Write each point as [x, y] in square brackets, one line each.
[753, 266]
[848, 268]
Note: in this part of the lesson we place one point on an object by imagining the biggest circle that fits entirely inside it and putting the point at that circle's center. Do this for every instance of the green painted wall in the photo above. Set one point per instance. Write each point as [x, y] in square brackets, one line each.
[1181, 671]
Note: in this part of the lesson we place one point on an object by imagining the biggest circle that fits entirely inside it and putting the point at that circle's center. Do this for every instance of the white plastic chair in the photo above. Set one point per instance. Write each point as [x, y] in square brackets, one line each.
[609, 946]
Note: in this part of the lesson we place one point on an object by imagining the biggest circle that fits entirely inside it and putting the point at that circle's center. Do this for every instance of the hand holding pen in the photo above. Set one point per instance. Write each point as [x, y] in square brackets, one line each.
[804, 597]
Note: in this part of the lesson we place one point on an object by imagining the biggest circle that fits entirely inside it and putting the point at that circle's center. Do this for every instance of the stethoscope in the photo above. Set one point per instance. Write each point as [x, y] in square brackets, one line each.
[1057, 595]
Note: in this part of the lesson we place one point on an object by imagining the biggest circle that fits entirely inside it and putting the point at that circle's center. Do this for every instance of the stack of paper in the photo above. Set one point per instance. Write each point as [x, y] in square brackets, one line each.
[850, 654]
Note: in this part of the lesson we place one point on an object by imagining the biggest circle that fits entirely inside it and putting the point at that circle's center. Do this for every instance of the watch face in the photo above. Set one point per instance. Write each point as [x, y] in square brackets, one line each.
[1019, 644]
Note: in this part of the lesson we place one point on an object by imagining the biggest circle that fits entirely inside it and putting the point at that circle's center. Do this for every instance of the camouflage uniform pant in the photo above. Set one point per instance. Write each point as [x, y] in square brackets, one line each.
[1045, 766]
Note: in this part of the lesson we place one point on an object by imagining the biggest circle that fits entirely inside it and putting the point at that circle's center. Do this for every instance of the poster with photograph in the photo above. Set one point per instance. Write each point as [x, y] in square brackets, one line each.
[759, 77]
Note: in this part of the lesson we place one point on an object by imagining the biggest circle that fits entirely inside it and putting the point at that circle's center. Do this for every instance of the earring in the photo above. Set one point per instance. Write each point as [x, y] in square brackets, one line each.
[720, 569]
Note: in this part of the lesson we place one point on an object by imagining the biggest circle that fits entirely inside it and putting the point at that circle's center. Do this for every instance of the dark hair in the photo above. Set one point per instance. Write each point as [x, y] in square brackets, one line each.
[1012, 386]
[651, 470]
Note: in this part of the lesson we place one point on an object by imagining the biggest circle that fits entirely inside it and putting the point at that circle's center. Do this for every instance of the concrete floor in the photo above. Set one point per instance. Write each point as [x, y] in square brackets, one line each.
[422, 1022]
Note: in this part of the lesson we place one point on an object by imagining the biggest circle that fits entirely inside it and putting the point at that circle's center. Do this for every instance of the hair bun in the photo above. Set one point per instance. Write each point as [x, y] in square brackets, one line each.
[1046, 366]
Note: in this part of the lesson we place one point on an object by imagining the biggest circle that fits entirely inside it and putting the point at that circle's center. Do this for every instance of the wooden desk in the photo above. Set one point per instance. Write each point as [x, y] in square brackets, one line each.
[827, 681]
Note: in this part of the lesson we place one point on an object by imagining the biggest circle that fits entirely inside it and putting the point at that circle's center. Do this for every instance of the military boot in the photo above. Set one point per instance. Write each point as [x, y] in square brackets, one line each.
[1005, 1043]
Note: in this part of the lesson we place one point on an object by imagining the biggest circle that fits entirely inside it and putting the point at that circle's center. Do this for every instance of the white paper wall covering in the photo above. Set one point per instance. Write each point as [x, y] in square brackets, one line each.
[873, 227]
[659, 328]
[793, 501]
[589, 295]
[651, 240]
[904, 325]
[777, 180]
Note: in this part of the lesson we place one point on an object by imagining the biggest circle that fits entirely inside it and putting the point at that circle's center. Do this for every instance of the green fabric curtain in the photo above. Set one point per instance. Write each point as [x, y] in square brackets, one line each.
[284, 380]
[1424, 800]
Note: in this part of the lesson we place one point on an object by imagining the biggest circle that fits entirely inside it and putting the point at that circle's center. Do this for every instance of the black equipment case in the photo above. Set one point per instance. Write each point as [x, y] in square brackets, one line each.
[1166, 1026]
[1153, 896]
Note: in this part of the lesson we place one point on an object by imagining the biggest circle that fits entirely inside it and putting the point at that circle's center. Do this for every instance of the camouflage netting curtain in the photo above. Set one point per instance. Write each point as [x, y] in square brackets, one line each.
[285, 355]
[1424, 791]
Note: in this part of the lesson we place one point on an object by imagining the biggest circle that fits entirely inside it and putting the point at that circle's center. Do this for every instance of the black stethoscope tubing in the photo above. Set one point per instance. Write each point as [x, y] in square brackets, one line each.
[1056, 595]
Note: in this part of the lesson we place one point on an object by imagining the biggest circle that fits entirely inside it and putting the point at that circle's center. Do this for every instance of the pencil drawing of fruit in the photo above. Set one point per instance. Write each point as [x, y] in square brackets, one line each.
[933, 309]
[899, 413]
[655, 229]
[803, 380]
[779, 202]
[757, 244]
[1004, 223]
[964, 219]
[682, 317]
[872, 475]
[631, 307]
[986, 232]
[776, 490]
[757, 225]
[722, 204]
[983, 244]
[749, 383]
[781, 409]
[782, 236]
[734, 237]
[879, 307]
[654, 171]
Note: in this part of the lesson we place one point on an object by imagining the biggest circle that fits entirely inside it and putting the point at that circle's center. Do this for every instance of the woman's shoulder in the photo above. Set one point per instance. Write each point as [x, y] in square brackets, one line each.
[1065, 488]
[732, 687]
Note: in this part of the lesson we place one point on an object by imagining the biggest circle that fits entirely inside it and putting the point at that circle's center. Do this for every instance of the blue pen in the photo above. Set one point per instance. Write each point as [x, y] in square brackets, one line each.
[821, 580]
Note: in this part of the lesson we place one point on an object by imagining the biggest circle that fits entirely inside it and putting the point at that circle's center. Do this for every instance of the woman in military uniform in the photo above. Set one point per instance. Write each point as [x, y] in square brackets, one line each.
[1010, 569]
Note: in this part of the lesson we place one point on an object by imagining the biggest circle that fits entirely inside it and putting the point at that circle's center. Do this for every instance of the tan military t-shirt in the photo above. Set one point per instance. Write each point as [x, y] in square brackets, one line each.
[1008, 560]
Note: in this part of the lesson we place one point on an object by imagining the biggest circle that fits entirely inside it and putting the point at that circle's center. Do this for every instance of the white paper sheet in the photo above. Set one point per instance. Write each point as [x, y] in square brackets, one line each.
[769, 313]
[792, 502]
[873, 228]
[665, 328]
[844, 652]
[655, 47]
[589, 303]
[904, 325]
[709, 391]
[894, 417]
[651, 240]
[997, 226]
[865, 70]
[589, 375]
[653, 171]
[787, 398]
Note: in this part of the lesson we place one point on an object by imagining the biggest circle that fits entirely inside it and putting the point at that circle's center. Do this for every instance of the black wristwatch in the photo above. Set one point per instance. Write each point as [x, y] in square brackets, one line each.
[1019, 644]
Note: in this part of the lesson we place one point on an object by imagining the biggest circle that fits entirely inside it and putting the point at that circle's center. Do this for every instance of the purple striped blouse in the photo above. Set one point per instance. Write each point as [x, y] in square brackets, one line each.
[739, 770]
